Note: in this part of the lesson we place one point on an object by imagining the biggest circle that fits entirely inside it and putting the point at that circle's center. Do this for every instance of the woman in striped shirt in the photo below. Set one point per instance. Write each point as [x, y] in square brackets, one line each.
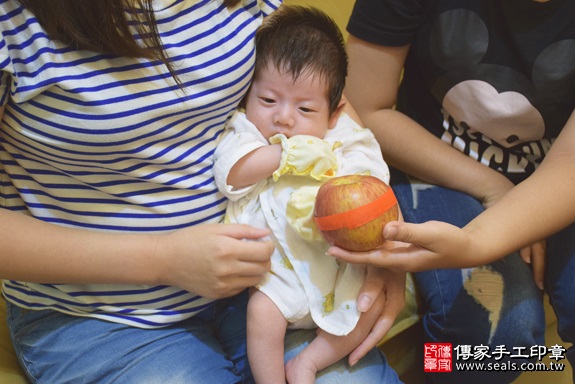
[111, 111]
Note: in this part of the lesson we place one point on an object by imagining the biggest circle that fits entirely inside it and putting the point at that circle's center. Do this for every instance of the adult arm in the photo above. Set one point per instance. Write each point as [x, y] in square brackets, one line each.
[373, 81]
[538, 207]
[210, 260]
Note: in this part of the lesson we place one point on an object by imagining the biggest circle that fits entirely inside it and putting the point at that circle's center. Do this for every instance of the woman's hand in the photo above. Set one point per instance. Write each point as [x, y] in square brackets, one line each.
[215, 260]
[381, 287]
[426, 246]
[430, 245]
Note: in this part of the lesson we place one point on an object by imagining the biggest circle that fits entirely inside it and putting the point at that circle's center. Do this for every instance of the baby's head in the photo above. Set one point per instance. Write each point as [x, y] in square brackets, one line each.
[300, 72]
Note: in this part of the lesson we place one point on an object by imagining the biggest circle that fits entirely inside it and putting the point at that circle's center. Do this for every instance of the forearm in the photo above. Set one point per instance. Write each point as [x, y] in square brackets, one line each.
[372, 87]
[256, 166]
[533, 210]
[34, 251]
[409, 147]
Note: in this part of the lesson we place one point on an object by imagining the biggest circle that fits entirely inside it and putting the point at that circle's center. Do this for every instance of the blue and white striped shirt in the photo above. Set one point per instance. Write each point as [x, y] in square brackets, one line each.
[112, 144]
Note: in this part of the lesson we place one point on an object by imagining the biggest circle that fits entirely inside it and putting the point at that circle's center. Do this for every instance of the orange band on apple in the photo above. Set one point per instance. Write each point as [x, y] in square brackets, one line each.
[358, 216]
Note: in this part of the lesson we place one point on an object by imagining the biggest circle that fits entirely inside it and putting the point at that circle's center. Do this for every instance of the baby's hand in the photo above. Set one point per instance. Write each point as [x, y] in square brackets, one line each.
[305, 155]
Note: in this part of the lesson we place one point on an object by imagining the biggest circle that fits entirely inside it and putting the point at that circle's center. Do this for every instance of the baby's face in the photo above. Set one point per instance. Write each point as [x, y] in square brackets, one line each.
[277, 104]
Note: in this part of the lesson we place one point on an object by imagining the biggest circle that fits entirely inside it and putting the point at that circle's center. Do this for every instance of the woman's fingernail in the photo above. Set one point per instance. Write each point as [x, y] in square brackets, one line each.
[540, 285]
[364, 303]
[389, 232]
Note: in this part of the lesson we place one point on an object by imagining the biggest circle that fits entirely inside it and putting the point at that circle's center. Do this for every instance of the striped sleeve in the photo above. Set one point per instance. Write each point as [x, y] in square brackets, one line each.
[268, 6]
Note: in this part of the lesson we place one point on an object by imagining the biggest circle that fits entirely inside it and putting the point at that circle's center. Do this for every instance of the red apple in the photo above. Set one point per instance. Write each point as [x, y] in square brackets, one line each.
[351, 211]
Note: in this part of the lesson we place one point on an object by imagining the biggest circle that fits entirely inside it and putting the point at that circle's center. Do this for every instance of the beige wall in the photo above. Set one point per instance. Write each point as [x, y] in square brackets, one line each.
[339, 10]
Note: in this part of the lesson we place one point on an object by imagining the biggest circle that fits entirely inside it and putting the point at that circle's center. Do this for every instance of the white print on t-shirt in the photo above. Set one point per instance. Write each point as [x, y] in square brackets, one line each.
[525, 157]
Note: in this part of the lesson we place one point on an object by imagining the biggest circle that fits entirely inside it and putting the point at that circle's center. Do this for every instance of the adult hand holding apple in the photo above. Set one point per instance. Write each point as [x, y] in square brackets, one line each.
[351, 211]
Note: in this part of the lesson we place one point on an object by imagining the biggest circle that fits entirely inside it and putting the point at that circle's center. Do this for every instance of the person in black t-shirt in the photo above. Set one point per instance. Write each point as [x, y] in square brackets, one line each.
[486, 89]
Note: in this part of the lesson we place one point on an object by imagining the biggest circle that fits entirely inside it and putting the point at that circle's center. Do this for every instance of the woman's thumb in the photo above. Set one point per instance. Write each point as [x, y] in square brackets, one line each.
[398, 231]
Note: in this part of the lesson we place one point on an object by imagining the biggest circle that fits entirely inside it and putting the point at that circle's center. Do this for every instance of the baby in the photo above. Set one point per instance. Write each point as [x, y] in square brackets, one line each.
[291, 136]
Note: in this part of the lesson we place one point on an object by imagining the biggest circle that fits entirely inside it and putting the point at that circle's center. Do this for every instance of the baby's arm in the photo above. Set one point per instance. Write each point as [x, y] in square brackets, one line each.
[256, 166]
[266, 328]
[327, 349]
[299, 155]
[243, 158]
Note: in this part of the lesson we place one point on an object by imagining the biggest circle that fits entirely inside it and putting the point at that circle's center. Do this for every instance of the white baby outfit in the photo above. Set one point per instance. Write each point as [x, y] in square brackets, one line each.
[303, 280]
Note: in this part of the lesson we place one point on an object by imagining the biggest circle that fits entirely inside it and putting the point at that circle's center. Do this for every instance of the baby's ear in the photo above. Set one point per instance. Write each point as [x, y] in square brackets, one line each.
[335, 114]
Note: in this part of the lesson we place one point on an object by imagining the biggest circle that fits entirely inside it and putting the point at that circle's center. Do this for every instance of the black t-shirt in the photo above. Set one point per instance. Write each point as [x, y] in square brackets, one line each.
[493, 78]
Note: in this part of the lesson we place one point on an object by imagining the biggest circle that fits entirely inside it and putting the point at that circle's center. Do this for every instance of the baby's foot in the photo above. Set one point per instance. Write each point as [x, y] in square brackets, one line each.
[300, 371]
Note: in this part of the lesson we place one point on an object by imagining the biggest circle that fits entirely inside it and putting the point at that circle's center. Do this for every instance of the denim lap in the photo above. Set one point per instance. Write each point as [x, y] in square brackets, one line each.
[58, 348]
[494, 305]
[211, 348]
[560, 284]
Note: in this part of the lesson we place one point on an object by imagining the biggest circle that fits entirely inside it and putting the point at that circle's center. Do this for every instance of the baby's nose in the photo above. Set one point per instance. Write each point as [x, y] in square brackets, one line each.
[284, 117]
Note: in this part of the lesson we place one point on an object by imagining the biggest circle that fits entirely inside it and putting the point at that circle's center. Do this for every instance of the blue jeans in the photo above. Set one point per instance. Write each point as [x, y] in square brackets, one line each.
[209, 348]
[560, 285]
[498, 304]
